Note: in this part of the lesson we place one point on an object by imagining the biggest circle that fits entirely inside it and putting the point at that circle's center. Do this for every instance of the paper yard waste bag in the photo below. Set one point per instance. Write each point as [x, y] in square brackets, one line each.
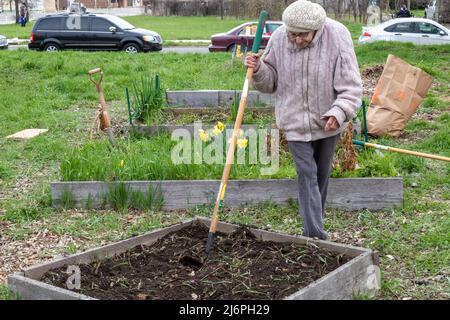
[399, 92]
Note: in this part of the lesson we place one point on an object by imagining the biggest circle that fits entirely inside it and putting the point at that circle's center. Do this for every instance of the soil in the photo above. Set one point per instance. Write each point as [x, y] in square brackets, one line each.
[175, 267]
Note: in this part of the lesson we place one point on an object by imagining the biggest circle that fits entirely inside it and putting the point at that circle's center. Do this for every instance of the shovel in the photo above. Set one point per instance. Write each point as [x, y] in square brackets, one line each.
[237, 126]
[103, 116]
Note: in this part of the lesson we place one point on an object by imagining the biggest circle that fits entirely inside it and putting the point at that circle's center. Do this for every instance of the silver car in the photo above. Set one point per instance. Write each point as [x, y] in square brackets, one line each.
[415, 30]
[3, 42]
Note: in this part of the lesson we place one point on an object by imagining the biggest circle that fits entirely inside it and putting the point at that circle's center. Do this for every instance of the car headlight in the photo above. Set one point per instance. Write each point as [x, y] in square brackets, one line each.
[149, 38]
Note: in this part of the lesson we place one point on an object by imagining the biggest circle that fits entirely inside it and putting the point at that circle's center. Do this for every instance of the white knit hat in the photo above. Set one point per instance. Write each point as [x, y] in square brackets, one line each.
[304, 16]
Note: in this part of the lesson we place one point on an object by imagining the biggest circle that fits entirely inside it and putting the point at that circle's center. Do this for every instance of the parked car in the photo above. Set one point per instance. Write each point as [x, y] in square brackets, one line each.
[415, 30]
[3, 42]
[242, 35]
[91, 32]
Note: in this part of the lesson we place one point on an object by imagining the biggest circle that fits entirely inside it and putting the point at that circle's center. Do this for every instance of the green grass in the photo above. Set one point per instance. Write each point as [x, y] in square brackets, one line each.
[150, 159]
[53, 91]
[170, 28]
[173, 28]
[185, 28]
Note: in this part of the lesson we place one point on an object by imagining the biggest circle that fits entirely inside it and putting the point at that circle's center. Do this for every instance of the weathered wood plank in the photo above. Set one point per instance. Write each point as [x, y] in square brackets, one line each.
[264, 235]
[28, 289]
[212, 110]
[201, 98]
[214, 98]
[343, 283]
[346, 194]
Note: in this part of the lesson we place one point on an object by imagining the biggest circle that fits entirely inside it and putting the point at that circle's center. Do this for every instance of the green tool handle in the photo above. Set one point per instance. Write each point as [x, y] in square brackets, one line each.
[259, 31]
[366, 136]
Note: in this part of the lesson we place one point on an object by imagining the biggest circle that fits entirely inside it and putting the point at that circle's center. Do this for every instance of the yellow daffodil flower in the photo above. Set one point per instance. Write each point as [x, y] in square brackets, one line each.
[242, 143]
[204, 136]
[216, 131]
[122, 163]
[220, 126]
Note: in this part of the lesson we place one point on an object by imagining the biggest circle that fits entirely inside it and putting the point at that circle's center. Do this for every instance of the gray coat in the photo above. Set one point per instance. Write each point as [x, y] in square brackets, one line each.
[320, 80]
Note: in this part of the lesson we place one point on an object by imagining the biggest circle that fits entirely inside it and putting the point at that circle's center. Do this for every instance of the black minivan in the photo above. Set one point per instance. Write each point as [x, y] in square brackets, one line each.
[91, 32]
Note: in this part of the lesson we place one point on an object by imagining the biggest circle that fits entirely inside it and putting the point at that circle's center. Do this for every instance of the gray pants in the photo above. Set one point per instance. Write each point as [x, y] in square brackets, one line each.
[313, 162]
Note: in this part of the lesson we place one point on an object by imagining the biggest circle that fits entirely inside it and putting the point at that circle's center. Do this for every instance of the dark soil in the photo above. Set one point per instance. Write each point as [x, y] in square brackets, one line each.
[175, 267]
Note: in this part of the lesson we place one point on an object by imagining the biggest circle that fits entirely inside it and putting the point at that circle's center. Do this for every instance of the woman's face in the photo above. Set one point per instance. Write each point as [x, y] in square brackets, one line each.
[301, 39]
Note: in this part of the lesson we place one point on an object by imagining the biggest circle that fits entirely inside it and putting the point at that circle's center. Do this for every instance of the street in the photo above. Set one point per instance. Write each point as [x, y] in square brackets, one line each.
[176, 49]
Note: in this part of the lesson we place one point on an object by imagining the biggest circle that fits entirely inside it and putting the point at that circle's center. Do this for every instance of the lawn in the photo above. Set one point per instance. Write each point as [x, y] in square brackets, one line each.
[52, 91]
[171, 28]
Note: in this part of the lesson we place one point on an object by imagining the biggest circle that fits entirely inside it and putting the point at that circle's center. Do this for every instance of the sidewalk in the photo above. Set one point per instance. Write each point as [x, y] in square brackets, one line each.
[14, 41]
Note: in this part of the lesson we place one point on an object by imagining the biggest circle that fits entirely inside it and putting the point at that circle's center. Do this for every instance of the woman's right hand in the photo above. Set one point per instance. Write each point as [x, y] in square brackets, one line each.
[252, 61]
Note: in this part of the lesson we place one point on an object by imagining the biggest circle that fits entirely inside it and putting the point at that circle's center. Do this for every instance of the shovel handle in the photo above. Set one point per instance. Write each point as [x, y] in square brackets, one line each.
[237, 126]
[93, 71]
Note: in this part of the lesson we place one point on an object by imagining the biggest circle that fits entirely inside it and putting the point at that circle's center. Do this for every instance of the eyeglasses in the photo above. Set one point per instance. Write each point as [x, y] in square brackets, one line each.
[302, 35]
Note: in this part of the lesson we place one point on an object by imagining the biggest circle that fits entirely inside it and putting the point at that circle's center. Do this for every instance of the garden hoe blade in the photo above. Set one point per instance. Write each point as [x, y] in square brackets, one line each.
[237, 126]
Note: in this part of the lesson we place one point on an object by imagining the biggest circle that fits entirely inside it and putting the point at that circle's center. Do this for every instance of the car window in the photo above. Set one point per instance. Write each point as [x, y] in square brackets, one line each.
[405, 27]
[248, 30]
[428, 28]
[76, 23]
[271, 27]
[50, 24]
[99, 24]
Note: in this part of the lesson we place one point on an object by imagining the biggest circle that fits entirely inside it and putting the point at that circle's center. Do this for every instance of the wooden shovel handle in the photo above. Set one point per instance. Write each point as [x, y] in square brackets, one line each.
[93, 71]
[231, 149]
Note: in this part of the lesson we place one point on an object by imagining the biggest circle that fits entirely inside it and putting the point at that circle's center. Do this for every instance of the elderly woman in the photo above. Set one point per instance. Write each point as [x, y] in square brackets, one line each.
[311, 66]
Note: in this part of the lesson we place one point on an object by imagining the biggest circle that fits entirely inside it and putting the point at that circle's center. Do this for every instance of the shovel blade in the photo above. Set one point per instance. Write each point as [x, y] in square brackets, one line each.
[209, 242]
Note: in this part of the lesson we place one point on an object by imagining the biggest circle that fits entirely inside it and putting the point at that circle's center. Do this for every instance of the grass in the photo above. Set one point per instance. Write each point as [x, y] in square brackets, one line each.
[173, 28]
[170, 28]
[150, 159]
[53, 91]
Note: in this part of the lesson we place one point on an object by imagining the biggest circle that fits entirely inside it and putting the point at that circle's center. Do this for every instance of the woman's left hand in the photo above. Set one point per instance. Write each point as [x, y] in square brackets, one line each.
[332, 124]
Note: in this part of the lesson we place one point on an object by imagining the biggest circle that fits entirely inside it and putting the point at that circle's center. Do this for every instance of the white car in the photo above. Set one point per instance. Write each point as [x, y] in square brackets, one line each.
[415, 30]
[3, 42]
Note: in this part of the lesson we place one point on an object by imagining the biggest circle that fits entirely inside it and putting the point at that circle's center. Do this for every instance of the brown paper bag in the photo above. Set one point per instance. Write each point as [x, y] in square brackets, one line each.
[399, 92]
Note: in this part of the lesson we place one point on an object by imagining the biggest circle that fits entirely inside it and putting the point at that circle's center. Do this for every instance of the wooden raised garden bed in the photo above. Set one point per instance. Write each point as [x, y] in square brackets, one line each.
[215, 98]
[170, 263]
[343, 193]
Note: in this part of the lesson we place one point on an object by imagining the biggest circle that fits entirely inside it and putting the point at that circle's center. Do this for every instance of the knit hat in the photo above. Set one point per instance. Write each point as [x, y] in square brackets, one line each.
[304, 16]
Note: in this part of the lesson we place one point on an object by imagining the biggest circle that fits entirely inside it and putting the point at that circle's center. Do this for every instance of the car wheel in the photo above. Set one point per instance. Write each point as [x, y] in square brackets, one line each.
[131, 48]
[51, 47]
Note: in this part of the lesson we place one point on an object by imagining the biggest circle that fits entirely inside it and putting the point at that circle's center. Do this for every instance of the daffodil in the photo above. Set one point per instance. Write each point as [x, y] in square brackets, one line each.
[240, 135]
[216, 131]
[220, 126]
[122, 164]
[204, 136]
[242, 143]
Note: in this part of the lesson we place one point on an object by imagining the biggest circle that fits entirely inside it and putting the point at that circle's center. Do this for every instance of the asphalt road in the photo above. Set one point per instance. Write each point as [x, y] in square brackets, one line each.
[177, 49]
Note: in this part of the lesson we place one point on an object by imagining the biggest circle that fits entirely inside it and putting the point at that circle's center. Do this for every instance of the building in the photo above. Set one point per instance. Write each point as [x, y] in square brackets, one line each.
[96, 4]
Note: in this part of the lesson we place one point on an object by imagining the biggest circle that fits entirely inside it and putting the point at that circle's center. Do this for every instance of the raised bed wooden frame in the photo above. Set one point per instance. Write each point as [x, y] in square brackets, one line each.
[343, 193]
[353, 278]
